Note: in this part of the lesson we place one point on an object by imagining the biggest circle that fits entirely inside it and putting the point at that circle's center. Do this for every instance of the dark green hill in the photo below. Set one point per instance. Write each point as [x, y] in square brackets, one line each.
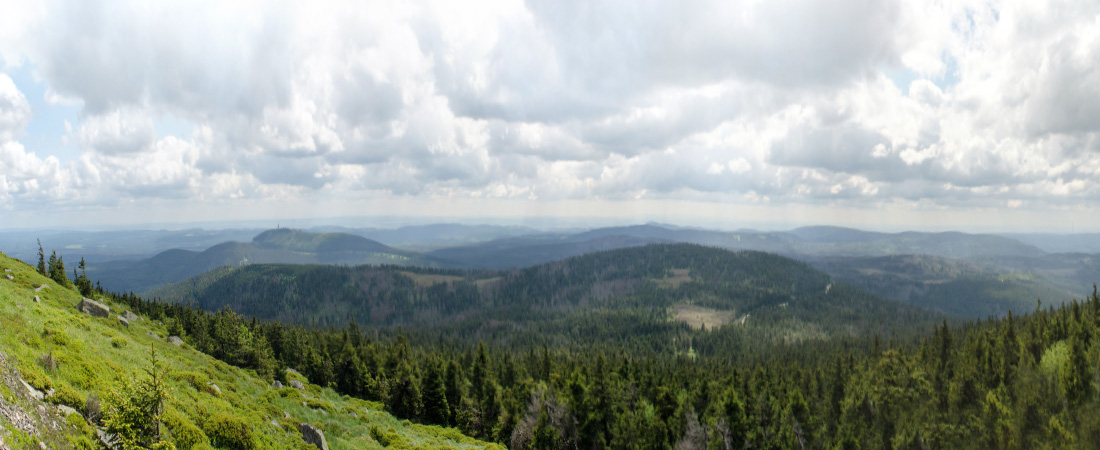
[284, 246]
[955, 287]
[655, 294]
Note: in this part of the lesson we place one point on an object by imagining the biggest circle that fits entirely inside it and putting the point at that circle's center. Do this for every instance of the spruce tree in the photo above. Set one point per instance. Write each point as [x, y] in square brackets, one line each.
[436, 409]
[41, 260]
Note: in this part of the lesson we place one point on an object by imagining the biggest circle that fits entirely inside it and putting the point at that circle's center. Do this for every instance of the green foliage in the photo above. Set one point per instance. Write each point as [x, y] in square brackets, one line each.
[185, 435]
[196, 380]
[118, 342]
[229, 432]
[36, 377]
[64, 394]
[133, 413]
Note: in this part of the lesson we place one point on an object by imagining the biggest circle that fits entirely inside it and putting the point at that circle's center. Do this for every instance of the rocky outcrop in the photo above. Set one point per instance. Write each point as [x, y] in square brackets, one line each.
[312, 435]
[93, 308]
[131, 316]
[175, 340]
[124, 322]
[296, 384]
[277, 385]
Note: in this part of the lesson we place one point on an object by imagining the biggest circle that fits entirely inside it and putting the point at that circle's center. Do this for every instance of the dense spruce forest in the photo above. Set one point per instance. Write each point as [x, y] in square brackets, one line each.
[1013, 382]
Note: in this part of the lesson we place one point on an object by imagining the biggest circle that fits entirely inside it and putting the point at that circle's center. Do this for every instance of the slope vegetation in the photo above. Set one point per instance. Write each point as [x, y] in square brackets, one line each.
[73, 359]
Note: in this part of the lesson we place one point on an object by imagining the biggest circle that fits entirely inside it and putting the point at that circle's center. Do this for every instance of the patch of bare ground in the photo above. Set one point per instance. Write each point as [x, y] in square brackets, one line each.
[678, 277]
[700, 317]
[427, 279]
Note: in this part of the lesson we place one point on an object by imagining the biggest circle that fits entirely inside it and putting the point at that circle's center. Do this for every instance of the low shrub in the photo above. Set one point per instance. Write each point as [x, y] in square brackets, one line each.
[93, 411]
[35, 377]
[230, 432]
[320, 404]
[194, 379]
[185, 434]
[118, 342]
[48, 363]
[63, 394]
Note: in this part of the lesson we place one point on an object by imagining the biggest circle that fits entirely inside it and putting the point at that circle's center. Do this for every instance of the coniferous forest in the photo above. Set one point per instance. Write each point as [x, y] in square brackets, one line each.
[1020, 381]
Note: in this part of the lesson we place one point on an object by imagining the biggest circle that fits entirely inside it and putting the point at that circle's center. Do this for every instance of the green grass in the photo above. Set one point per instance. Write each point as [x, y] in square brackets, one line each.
[53, 346]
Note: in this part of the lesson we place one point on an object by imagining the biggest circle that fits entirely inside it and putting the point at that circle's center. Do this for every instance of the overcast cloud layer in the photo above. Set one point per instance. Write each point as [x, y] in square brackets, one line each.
[929, 110]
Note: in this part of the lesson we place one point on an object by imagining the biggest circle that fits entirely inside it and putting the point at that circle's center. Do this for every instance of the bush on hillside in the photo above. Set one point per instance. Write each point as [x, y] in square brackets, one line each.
[230, 432]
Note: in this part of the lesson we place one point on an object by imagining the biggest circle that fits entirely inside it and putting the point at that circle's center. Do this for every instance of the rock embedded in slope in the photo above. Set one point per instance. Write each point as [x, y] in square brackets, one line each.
[93, 308]
[131, 316]
[277, 385]
[312, 435]
[296, 384]
[124, 322]
[175, 340]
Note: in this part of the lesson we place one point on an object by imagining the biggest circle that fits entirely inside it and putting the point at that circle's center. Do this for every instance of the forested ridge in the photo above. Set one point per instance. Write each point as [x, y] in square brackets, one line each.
[1014, 382]
[620, 297]
[1017, 382]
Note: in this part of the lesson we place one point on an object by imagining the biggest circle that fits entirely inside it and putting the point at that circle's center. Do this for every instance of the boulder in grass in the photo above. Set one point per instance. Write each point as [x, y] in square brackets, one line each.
[124, 322]
[312, 435]
[36, 300]
[93, 308]
[131, 316]
[175, 340]
[277, 385]
[296, 384]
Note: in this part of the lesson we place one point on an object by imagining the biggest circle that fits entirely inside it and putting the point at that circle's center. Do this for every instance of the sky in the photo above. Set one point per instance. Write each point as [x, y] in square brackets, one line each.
[877, 114]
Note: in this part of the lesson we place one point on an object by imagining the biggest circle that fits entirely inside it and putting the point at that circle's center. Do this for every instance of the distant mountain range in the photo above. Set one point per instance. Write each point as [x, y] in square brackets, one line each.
[973, 275]
[800, 242]
[273, 246]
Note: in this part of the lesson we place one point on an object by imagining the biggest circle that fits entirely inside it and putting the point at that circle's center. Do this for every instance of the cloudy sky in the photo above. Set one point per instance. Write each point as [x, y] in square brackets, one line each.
[873, 113]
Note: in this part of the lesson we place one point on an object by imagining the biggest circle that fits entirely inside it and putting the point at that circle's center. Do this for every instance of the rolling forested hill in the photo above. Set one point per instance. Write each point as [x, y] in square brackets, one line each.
[657, 296]
[959, 288]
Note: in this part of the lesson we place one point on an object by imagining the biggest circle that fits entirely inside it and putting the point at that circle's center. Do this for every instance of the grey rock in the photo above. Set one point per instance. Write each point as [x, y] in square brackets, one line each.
[66, 410]
[312, 435]
[93, 308]
[41, 288]
[154, 335]
[296, 384]
[286, 415]
[36, 299]
[37, 394]
[273, 422]
[131, 316]
[42, 445]
[175, 340]
[11, 277]
[215, 388]
[277, 385]
[124, 322]
[7, 270]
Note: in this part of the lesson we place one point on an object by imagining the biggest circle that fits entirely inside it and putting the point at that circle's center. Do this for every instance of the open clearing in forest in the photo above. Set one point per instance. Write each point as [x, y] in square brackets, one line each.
[679, 276]
[700, 317]
[427, 279]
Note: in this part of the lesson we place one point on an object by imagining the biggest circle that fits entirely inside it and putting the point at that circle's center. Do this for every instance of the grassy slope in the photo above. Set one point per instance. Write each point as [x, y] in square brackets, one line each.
[95, 354]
